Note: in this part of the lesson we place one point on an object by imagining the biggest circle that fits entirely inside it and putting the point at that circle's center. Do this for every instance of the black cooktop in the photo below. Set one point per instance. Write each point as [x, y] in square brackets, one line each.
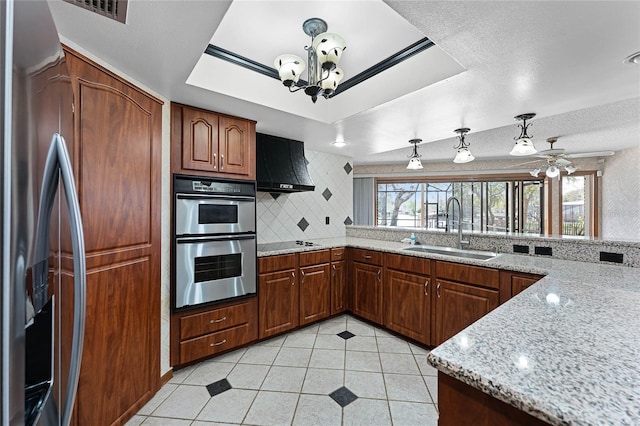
[285, 245]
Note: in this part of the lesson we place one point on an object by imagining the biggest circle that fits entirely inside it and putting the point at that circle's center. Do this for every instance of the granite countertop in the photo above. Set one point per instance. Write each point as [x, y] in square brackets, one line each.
[566, 350]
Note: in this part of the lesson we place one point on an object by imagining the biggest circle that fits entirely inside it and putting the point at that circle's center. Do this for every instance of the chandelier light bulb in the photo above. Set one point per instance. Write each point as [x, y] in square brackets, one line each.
[552, 171]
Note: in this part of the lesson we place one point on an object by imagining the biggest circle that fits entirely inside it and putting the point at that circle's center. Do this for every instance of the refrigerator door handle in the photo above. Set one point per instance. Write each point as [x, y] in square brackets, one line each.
[79, 275]
[58, 161]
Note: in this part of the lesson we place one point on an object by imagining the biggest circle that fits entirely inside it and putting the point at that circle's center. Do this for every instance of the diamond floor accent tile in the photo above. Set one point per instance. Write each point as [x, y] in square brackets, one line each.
[218, 387]
[326, 194]
[346, 335]
[343, 396]
[348, 221]
[347, 168]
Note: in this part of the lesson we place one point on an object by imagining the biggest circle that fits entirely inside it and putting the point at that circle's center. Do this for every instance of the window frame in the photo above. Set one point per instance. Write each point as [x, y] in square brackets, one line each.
[510, 177]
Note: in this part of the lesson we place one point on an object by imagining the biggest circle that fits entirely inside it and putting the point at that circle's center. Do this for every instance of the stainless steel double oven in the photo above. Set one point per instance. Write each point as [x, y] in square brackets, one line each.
[214, 240]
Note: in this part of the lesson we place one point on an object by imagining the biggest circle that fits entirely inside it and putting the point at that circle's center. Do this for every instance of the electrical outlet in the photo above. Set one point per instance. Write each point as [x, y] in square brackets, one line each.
[326, 220]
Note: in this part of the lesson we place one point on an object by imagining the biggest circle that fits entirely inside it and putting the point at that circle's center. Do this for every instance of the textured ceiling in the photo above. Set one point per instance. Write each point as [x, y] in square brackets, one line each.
[560, 59]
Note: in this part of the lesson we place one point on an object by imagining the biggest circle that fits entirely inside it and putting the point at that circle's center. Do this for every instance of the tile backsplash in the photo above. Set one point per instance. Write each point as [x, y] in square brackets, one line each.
[303, 215]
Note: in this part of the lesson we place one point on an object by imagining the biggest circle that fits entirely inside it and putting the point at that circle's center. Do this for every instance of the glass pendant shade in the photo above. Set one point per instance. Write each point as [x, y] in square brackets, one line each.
[328, 48]
[330, 83]
[290, 68]
[414, 164]
[463, 156]
[570, 169]
[523, 146]
[534, 172]
[552, 172]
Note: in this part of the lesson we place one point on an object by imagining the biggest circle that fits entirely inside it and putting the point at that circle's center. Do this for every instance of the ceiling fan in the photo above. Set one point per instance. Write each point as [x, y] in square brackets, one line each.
[557, 159]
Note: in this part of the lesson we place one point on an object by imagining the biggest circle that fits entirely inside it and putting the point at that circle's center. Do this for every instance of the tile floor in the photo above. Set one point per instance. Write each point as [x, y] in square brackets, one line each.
[310, 376]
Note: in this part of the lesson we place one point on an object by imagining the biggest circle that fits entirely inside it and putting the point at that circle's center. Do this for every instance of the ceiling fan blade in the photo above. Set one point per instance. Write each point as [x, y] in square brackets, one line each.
[590, 154]
[563, 162]
[550, 152]
[528, 162]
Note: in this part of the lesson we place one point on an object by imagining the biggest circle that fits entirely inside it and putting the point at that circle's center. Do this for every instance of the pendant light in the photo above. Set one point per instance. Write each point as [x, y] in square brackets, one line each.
[463, 155]
[414, 158]
[524, 145]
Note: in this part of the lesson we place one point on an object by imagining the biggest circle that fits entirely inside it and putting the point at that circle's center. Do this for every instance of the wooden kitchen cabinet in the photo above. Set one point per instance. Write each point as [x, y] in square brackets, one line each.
[515, 282]
[459, 305]
[200, 333]
[210, 144]
[117, 162]
[278, 293]
[407, 296]
[367, 285]
[315, 286]
[464, 294]
[338, 280]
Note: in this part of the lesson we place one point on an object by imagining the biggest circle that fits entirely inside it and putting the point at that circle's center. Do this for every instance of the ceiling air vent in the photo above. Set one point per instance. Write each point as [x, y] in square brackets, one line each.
[114, 9]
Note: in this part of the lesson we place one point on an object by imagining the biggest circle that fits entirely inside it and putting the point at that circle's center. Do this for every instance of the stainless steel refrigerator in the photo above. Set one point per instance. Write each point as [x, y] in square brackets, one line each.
[42, 252]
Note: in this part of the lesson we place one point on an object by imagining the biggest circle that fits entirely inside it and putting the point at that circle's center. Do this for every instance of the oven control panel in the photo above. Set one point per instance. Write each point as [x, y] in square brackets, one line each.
[186, 185]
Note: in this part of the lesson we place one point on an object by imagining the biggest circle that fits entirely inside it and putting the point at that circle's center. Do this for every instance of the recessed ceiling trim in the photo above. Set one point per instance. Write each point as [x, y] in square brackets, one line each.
[385, 64]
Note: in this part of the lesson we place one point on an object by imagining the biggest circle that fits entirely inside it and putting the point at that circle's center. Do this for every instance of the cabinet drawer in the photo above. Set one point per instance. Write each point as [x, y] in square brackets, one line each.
[337, 254]
[214, 320]
[367, 256]
[213, 343]
[276, 263]
[413, 264]
[314, 257]
[467, 274]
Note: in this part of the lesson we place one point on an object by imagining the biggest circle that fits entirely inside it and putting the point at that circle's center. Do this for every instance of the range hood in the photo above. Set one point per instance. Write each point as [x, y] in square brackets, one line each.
[281, 165]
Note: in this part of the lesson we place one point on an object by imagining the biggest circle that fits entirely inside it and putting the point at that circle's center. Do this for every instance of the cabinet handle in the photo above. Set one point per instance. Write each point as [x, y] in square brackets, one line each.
[366, 256]
[215, 161]
[219, 343]
[426, 287]
[379, 273]
[293, 278]
[218, 320]
[301, 277]
[438, 290]
[334, 270]
[221, 161]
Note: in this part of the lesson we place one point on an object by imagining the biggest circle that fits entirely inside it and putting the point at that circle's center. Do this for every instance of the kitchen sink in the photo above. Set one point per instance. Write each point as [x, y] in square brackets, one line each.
[449, 251]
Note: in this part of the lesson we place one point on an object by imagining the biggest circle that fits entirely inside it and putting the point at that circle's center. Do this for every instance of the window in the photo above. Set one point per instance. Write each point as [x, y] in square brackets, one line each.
[577, 208]
[498, 206]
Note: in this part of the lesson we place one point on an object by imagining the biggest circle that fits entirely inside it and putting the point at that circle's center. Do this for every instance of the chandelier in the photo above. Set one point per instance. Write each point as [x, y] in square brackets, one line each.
[463, 155]
[524, 145]
[414, 158]
[323, 57]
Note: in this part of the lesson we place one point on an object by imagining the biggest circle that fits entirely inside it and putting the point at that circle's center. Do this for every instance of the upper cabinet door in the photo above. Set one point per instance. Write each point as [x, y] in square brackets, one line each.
[199, 140]
[234, 146]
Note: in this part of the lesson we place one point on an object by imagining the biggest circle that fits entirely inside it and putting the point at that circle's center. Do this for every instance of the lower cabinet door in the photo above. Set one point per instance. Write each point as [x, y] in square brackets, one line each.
[407, 303]
[278, 299]
[315, 293]
[459, 305]
[338, 287]
[367, 292]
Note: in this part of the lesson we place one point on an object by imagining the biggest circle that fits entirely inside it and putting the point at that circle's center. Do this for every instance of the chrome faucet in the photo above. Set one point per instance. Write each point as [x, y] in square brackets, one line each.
[460, 240]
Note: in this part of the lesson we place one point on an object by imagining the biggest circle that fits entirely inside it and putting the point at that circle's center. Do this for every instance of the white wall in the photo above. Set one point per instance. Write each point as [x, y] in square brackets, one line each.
[278, 219]
[621, 196]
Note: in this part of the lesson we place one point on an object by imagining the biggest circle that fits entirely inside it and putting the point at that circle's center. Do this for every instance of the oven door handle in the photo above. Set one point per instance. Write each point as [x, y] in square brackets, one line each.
[214, 197]
[191, 240]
